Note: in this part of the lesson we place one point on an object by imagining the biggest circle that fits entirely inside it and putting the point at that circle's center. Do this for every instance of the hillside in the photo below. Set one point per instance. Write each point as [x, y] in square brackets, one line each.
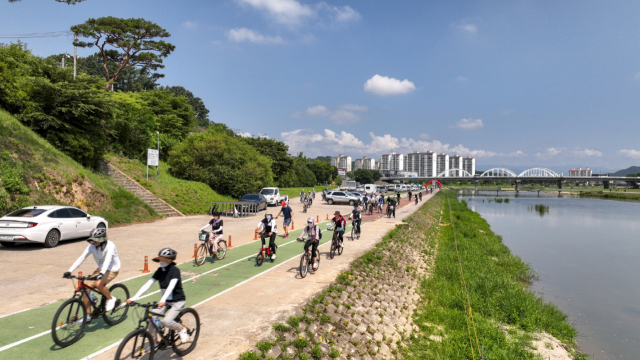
[32, 172]
[629, 170]
[189, 197]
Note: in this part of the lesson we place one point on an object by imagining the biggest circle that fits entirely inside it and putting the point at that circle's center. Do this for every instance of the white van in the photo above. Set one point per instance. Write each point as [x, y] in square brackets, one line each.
[398, 187]
[370, 188]
[272, 194]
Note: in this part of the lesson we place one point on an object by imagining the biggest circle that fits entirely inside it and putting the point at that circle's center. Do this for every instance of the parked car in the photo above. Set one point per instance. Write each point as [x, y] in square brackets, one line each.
[342, 197]
[381, 189]
[272, 194]
[259, 199]
[47, 225]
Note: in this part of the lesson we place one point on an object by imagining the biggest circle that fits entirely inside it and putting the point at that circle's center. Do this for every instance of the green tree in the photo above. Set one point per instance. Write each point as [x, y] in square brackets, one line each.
[324, 158]
[201, 111]
[363, 176]
[130, 79]
[322, 170]
[227, 164]
[133, 42]
[134, 127]
[278, 151]
[338, 180]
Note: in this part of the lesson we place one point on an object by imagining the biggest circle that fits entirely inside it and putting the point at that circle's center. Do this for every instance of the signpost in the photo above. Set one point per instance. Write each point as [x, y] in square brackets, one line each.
[342, 172]
[152, 159]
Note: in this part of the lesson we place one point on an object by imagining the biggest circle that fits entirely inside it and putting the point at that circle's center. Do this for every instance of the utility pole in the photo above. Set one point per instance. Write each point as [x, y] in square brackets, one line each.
[75, 55]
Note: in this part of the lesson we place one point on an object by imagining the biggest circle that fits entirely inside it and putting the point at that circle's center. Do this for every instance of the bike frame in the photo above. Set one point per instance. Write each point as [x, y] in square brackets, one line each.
[265, 247]
[86, 290]
[147, 319]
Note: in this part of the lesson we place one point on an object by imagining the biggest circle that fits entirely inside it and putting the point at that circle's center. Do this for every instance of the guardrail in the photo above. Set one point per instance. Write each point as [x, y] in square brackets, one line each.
[234, 208]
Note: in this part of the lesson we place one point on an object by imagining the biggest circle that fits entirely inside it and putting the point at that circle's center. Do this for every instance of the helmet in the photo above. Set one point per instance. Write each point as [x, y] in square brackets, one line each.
[98, 234]
[311, 221]
[167, 253]
[268, 216]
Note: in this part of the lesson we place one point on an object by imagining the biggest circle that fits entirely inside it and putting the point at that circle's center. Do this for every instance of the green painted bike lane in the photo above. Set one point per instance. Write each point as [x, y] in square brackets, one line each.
[200, 283]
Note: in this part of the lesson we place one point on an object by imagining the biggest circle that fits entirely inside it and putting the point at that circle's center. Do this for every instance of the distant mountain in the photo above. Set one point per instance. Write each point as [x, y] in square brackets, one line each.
[629, 170]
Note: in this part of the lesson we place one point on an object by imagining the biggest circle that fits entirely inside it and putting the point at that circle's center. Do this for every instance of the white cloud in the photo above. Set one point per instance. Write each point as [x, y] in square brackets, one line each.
[342, 14]
[243, 134]
[470, 28]
[462, 79]
[288, 12]
[424, 136]
[190, 24]
[468, 124]
[244, 34]
[314, 143]
[637, 77]
[297, 115]
[548, 153]
[634, 154]
[344, 114]
[382, 85]
[516, 154]
[587, 152]
[507, 112]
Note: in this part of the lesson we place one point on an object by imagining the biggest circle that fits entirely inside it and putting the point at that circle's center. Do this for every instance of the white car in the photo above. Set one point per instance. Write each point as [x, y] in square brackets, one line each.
[47, 225]
[272, 194]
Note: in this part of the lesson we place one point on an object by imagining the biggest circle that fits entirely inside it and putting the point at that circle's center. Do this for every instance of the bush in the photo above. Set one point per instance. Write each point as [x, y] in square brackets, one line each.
[227, 164]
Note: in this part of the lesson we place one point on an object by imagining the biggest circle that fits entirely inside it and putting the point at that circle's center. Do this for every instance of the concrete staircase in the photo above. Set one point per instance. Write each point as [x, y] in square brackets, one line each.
[138, 190]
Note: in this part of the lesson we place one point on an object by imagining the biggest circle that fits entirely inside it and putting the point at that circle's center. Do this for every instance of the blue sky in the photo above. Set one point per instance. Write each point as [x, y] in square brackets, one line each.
[509, 82]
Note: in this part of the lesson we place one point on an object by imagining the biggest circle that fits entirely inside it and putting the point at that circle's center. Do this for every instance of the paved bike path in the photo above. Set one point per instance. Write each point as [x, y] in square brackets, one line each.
[199, 282]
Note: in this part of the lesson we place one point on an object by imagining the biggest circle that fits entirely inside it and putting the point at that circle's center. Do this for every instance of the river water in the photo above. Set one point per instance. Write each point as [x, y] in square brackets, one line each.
[586, 253]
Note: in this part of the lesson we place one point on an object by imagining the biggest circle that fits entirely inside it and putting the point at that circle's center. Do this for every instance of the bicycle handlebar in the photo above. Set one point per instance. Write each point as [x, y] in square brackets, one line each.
[83, 278]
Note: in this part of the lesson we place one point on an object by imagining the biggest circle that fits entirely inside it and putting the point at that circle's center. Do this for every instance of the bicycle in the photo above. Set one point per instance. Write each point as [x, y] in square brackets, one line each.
[380, 207]
[305, 207]
[71, 318]
[390, 209]
[354, 232]
[139, 343]
[264, 249]
[370, 209]
[205, 249]
[306, 261]
[335, 246]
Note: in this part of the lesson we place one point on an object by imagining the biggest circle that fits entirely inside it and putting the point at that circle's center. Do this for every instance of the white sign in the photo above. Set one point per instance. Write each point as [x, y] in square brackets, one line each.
[342, 172]
[152, 157]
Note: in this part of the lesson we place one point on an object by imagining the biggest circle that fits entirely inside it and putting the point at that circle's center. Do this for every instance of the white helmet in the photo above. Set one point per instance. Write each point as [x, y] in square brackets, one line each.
[311, 221]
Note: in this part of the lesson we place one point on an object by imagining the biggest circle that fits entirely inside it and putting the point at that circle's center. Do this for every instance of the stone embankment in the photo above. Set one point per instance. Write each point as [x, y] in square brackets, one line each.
[367, 312]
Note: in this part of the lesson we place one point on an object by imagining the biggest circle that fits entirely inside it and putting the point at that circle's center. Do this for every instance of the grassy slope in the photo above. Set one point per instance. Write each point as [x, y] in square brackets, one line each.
[498, 288]
[189, 197]
[61, 180]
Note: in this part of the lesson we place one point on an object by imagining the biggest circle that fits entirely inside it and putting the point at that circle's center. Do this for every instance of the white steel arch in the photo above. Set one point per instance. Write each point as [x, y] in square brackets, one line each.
[461, 172]
[539, 172]
[498, 172]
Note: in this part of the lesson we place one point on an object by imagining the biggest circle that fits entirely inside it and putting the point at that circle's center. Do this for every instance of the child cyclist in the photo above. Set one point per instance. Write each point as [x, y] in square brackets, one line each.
[313, 232]
[216, 231]
[168, 276]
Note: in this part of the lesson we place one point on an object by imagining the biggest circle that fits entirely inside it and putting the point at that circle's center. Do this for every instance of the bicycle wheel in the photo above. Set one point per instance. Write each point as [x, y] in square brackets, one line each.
[69, 322]
[317, 257]
[259, 258]
[189, 320]
[339, 250]
[304, 265]
[201, 254]
[117, 315]
[353, 233]
[332, 252]
[222, 250]
[137, 345]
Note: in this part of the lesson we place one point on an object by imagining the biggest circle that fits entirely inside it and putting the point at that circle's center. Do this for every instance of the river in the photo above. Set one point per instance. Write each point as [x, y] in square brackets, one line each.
[586, 253]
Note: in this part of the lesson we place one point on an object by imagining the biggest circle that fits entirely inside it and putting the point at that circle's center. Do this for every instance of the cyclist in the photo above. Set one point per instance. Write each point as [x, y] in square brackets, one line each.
[381, 202]
[301, 195]
[313, 193]
[391, 207]
[313, 232]
[356, 214]
[305, 202]
[216, 231]
[168, 276]
[415, 197]
[420, 195]
[106, 256]
[288, 215]
[340, 224]
[310, 198]
[268, 224]
[409, 196]
[398, 202]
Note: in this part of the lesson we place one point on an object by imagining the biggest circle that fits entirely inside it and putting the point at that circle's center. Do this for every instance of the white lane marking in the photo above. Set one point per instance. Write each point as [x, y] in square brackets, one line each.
[99, 352]
[155, 292]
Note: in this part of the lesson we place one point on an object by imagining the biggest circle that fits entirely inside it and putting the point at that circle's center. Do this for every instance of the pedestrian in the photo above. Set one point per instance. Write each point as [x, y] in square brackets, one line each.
[398, 198]
[288, 216]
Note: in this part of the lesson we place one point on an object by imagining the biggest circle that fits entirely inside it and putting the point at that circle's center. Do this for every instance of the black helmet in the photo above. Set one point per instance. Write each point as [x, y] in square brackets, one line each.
[98, 234]
[167, 253]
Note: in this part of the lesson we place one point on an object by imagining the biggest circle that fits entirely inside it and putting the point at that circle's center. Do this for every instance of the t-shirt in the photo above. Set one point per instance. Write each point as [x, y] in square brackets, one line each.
[286, 211]
[216, 225]
[105, 256]
[268, 226]
[164, 275]
[355, 214]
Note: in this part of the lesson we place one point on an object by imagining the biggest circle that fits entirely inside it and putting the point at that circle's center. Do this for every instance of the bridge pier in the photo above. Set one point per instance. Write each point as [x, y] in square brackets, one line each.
[476, 190]
[559, 184]
[607, 184]
[518, 186]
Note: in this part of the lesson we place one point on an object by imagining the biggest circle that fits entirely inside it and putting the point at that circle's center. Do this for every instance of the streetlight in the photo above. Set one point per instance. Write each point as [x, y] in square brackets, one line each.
[158, 167]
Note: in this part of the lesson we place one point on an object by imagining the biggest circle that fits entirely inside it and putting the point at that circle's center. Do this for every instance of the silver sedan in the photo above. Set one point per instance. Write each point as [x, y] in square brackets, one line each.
[47, 225]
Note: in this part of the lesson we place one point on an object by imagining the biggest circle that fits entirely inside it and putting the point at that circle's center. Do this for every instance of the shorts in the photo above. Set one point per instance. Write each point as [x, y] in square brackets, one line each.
[106, 278]
[286, 222]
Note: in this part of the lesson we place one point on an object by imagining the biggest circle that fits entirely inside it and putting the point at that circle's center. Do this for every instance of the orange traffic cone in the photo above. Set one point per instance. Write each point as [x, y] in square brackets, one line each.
[327, 217]
[195, 251]
[317, 219]
[255, 236]
[292, 228]
[146, 265]
[230, 246]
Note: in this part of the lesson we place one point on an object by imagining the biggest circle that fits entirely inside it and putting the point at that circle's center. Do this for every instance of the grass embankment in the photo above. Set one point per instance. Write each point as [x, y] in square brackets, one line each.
[506, 314]
[189, 197]
[611, 195]
[33, 172]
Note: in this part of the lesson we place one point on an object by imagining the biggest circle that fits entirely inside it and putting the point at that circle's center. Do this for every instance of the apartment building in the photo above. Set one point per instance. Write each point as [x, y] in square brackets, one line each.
[469, 165]
[341, 162]
[455, 163]
[392, 162]
[579, 172]
[422, 163]
[365, 163]
[442, 163]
